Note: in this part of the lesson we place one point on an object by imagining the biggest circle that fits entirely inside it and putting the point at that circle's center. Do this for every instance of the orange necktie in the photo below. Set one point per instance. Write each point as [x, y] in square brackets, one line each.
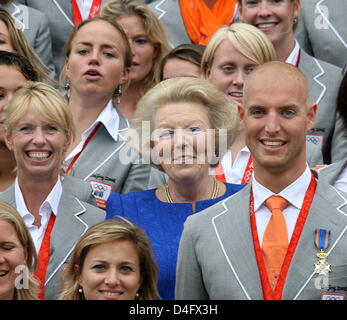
[275, 240]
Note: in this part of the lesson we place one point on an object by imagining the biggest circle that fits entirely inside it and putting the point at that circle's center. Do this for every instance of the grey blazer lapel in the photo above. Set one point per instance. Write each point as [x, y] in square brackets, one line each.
[313, 70]
[68, 228]
[97, 154]
[16, 11]
[329, 19]
[168, 11]
[65, 8]
[237, 246]
[325, 212]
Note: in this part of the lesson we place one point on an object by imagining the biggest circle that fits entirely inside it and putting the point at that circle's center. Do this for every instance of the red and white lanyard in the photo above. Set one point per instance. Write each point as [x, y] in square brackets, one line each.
[220, 176]
[84, 146]
[94, 11]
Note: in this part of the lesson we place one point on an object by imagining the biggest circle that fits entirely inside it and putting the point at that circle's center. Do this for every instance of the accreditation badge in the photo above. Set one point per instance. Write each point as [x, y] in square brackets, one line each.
[101, 192]
[332, 296]
[317, 139]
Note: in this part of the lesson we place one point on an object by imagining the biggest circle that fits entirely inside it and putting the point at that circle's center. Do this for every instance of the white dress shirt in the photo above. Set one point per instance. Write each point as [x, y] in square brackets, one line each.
[109, 118]
[50, 204]
[294, 194]
[293, 57]
[234, 172]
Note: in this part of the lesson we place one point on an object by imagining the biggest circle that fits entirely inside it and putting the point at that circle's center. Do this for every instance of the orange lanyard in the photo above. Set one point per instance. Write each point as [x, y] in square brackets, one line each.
[267, 291]
[94, 11]
[40, 272]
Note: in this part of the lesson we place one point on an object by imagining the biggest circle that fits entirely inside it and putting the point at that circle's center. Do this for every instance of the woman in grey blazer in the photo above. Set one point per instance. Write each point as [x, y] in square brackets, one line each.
[279, 21]
[39, 129]
[98, 60]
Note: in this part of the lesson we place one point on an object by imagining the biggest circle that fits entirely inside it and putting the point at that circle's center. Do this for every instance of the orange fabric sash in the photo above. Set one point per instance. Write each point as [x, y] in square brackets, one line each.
[201, 23]
[40, 272]
[267, 291]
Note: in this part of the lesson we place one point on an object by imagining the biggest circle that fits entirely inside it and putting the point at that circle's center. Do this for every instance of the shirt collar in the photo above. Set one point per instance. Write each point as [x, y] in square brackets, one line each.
[293, 57]
[245, 150]
[294, 193]
[110, 119]
[51, 203]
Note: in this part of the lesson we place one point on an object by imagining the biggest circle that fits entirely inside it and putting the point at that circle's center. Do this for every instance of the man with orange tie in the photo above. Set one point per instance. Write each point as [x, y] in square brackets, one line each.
[284, 235]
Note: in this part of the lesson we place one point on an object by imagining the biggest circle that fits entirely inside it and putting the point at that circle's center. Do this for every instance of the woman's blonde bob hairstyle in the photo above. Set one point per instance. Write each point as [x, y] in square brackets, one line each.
[107, 231]
[222, 114]
[115, 9]
[10, 214]
[47, 101]
[246, 39]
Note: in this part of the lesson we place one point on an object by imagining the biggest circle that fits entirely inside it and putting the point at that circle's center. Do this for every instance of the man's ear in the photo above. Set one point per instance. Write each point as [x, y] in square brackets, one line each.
[311, 115]
[241, 113]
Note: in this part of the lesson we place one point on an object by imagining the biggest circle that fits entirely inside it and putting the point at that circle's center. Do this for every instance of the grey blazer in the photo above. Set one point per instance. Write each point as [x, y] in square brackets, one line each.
[324, 81]
[34, 25]
[113, 163]
[313, 154]
[73, 219]
[331, 172]
[169, 13]
[216, 257]
[60, 18]
[322, 30]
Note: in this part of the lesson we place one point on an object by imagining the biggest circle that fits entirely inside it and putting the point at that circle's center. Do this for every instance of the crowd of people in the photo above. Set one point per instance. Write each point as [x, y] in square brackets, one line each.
[173, 149]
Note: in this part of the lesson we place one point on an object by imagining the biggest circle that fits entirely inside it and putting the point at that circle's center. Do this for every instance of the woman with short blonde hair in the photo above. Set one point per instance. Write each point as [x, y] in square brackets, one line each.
[39, 131]
[232, 53]
[246, 39]
[183, 126]
[46, 100]
[222, 115]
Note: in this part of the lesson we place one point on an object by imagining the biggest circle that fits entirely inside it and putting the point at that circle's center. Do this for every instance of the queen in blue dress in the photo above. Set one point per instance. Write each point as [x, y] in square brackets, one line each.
[185, 125]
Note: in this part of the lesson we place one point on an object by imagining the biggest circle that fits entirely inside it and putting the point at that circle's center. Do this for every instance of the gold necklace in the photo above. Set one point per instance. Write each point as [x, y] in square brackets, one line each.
[214, 193]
